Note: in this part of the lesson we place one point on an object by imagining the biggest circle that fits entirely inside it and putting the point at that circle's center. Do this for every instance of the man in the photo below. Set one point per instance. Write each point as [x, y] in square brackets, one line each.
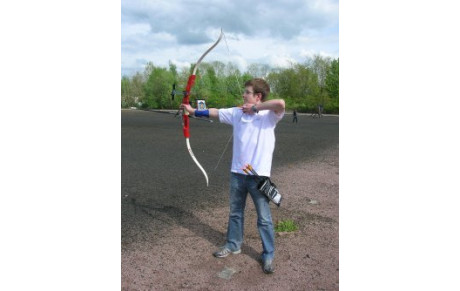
[253, 143]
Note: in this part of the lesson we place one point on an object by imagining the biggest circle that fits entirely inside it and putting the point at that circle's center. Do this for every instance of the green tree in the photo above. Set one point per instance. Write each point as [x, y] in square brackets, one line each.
[332, 86]
[297, 85]
[259, 70]
[127, 99]
[173, 69]
[320, 66]
[158, 88]
[137, 88]
[148, 70]
[302, 86]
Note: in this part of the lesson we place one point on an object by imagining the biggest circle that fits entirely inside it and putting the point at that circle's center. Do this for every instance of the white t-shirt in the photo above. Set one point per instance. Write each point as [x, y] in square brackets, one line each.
[253, 138]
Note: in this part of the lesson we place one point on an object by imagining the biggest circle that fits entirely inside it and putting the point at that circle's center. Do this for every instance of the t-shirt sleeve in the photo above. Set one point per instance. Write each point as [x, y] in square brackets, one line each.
[226, 115]
[276, 117]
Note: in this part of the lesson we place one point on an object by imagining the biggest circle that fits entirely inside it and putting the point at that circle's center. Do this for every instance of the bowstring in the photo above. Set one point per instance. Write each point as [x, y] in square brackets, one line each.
[241, 93]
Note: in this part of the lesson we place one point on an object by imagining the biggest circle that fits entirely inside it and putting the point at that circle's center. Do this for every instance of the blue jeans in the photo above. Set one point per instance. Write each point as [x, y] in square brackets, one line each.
[240, 185]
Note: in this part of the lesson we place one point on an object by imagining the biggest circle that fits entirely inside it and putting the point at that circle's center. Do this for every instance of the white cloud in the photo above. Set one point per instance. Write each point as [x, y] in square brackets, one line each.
[310, 53]
[241, 62]
[180, 31]
[281, 61]
[180, 64]
[132, 29]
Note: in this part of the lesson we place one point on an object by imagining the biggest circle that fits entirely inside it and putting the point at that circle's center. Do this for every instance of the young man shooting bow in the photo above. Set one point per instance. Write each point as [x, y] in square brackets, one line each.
[253, 143]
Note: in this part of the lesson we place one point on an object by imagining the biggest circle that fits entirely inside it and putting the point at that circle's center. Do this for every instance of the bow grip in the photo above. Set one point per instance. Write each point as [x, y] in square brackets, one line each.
[186, 100]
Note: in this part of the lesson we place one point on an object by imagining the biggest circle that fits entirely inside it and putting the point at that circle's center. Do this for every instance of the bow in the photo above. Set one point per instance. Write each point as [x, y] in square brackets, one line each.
[186, 100]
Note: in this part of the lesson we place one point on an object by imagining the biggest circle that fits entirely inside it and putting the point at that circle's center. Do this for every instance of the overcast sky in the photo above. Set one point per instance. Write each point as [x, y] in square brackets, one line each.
[269, 32]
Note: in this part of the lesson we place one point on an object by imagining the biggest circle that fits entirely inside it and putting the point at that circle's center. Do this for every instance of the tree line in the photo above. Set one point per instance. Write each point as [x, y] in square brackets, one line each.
[302, 86]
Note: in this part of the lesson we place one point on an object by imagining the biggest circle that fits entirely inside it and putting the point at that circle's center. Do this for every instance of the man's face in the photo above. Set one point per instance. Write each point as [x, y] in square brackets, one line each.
[250, 97]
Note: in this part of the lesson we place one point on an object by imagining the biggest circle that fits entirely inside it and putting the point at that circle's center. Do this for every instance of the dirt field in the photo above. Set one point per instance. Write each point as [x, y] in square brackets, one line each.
[171, 222]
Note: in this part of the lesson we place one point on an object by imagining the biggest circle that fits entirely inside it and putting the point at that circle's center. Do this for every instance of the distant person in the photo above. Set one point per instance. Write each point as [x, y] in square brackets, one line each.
[294, 116]
[254, 125]
[320, 110]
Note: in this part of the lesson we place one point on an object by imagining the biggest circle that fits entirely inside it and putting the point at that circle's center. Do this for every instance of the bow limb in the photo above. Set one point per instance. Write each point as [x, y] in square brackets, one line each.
[196, 161]
[186, 100]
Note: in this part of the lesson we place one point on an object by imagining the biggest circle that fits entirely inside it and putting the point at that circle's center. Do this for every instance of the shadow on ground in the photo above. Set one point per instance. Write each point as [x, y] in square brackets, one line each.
[188, 220]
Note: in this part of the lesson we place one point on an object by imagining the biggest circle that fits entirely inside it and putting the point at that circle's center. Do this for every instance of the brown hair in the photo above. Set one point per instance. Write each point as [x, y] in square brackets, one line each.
[259, 86]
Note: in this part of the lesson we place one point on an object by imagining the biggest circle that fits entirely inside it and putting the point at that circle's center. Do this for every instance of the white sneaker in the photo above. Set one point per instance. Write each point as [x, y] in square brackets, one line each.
[223, 252]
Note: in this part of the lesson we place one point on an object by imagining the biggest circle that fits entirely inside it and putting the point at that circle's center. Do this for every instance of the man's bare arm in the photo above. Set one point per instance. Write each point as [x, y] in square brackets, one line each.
[213, 112]
[276, 105]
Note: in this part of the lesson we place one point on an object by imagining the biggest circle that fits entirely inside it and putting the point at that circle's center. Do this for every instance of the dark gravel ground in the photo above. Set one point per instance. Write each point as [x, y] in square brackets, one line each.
[171, 222]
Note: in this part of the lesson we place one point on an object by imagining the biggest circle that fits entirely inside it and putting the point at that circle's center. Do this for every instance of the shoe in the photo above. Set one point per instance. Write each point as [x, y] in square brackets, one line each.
[268, 267]
[223, 252]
